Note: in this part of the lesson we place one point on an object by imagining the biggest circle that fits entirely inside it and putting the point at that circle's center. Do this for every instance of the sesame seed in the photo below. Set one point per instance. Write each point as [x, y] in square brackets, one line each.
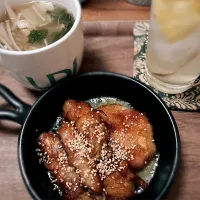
[84, 144]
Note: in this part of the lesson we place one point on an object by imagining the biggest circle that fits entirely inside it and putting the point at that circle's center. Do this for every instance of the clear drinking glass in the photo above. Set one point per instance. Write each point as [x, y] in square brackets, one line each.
[173, 49]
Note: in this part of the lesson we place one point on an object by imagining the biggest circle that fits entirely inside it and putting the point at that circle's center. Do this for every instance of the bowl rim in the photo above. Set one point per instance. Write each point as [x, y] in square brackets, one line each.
[176, 160]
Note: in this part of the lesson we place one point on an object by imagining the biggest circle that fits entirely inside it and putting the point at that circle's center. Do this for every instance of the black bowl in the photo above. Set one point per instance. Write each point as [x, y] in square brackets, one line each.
[43, 113]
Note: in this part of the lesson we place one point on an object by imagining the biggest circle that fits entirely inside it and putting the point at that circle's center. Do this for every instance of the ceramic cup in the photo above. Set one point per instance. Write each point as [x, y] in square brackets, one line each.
[40, 69]
[140, 2]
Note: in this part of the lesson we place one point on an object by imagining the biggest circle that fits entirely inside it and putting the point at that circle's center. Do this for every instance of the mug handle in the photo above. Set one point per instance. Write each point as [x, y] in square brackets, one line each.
[21, 110]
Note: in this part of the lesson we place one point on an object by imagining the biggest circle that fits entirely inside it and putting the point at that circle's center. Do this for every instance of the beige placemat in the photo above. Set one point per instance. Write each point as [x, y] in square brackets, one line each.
[189, 100]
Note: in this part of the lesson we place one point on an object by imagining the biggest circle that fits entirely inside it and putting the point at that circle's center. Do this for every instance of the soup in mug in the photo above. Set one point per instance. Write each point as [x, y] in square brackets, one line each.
[33, 25]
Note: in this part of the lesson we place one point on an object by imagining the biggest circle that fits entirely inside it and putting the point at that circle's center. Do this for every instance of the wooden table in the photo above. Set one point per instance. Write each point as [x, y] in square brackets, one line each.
[108, 47]
[99, 10]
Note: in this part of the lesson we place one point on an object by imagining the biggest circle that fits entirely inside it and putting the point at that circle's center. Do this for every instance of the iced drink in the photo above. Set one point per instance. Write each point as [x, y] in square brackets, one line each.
[173, 50]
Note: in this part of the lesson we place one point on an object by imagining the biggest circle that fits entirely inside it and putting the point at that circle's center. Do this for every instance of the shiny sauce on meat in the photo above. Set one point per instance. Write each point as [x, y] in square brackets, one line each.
[149, 171]
[146, 174]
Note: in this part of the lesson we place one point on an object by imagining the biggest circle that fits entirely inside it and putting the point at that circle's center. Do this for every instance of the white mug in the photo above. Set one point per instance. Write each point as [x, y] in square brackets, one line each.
[41, 68]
